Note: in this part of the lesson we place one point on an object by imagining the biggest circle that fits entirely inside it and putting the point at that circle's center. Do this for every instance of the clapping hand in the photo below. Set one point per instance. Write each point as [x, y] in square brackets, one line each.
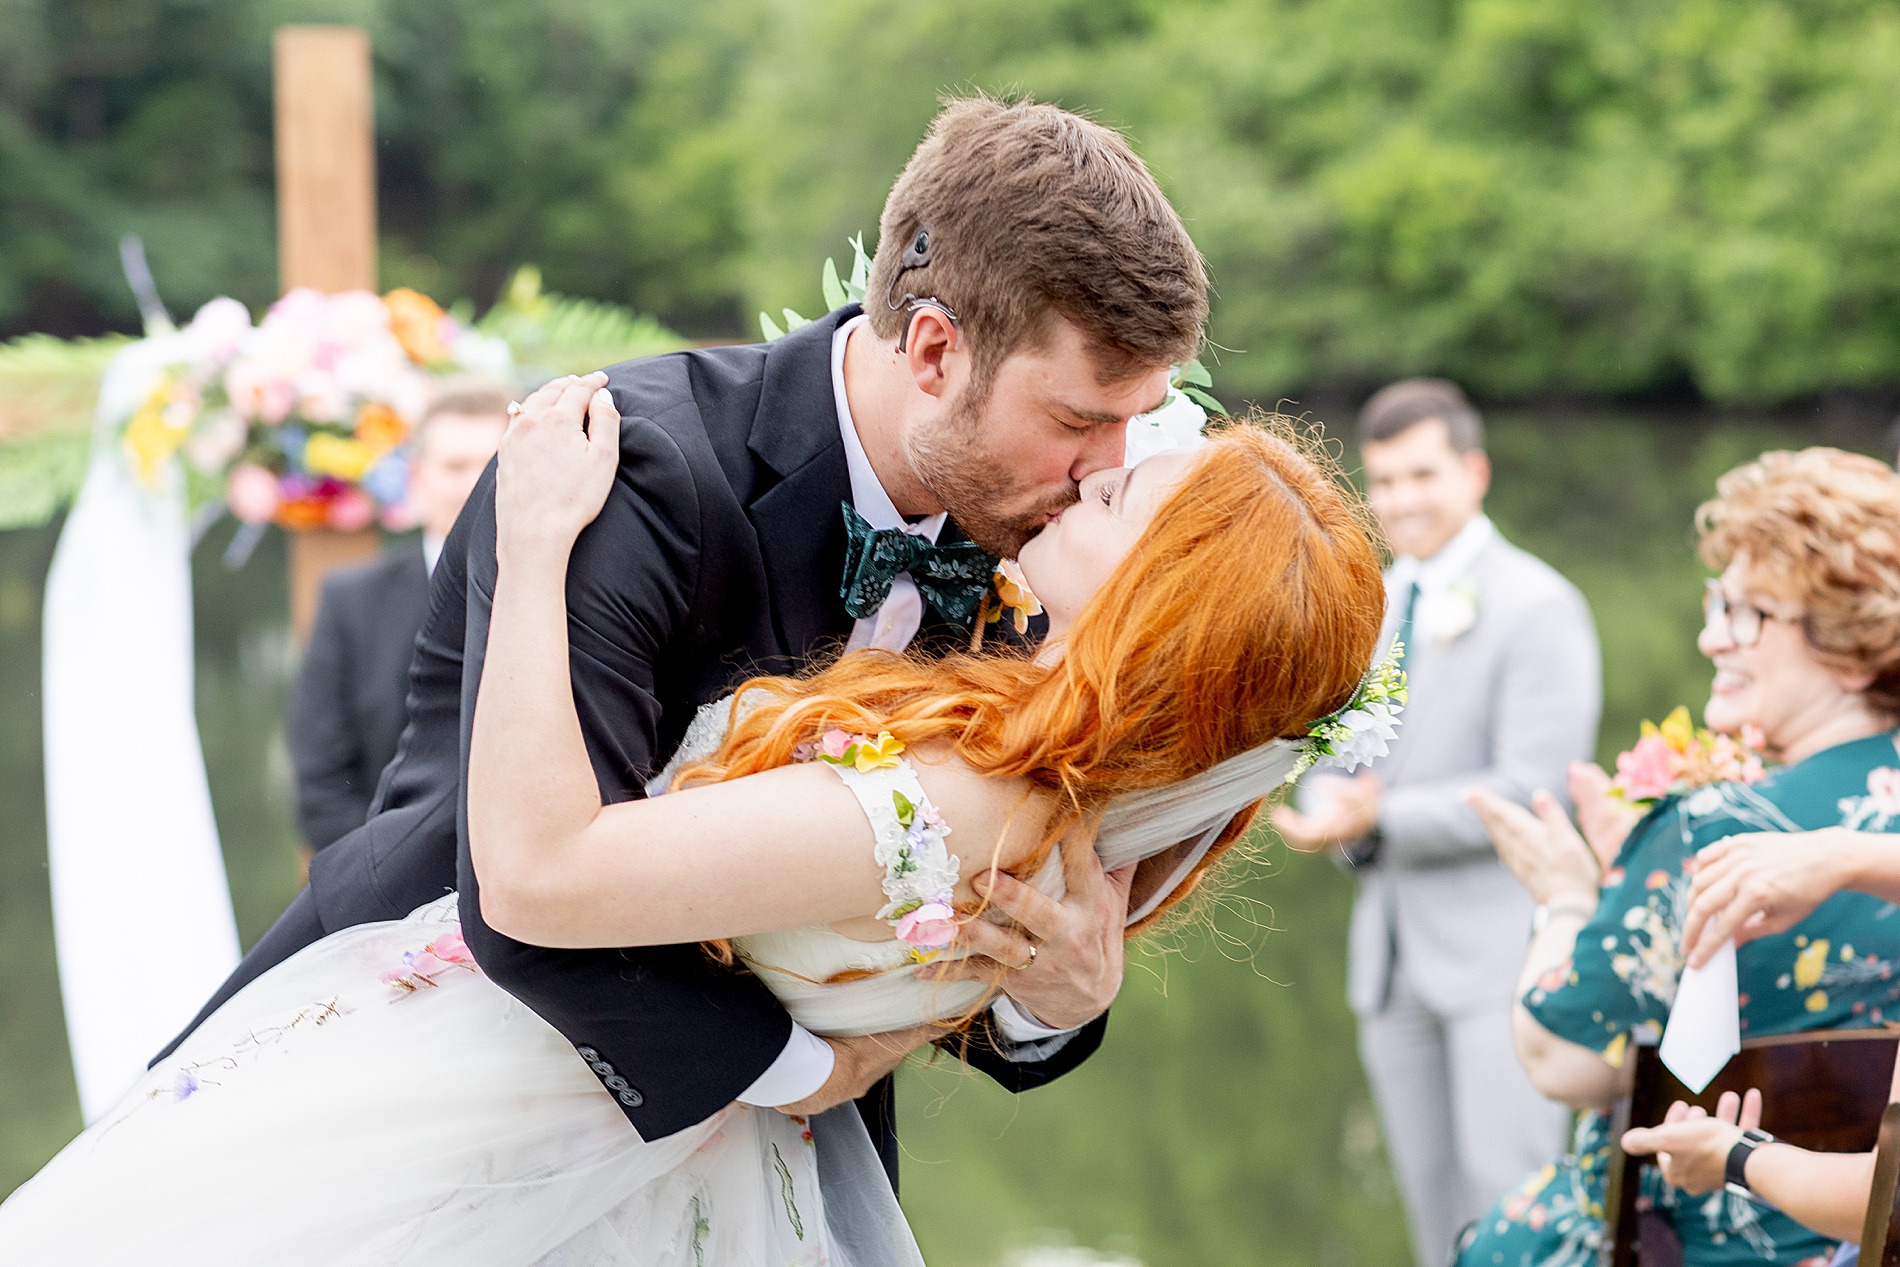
[1604, 819]
[555, 473]
[1691, 1147]
[1546, 854]
[1352, 811]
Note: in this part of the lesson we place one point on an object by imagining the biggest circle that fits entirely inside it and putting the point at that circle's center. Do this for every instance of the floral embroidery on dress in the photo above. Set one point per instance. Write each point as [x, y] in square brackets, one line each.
[423, 969]
[193, 1078]
[1879, 808]
[787, 1193]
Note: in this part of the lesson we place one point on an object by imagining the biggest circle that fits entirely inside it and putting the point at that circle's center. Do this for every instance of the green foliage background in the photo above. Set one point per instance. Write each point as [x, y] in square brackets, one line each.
[1534, 196]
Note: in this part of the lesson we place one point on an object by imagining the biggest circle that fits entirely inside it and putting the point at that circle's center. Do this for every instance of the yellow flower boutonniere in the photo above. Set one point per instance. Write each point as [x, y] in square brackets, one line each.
[1013, 592]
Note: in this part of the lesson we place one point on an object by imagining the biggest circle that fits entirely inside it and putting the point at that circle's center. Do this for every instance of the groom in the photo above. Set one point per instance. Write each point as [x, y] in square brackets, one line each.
[1030, 290]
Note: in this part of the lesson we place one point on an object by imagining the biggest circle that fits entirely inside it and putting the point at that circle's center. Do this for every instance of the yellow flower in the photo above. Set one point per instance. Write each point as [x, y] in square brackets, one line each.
[1614, 1053]
[380, 427]
[326, 454]
[1678, 730]
[1817, 1001]
[1809, 963]
[416, 321]
[1013, 592]
[878, 753]
[149, 439]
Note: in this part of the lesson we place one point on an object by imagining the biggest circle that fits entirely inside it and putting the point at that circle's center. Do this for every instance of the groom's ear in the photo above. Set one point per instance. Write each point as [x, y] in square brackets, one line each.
[933, 340]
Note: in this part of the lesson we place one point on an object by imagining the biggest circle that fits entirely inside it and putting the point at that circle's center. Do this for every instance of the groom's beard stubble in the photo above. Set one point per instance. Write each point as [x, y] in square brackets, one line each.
[975, 485]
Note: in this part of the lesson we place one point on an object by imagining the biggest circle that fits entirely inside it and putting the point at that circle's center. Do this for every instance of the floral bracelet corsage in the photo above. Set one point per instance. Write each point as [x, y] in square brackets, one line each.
[920, 876]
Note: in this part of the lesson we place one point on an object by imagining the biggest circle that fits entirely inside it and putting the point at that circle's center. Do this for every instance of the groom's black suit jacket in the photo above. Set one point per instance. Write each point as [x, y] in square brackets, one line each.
[718, 556]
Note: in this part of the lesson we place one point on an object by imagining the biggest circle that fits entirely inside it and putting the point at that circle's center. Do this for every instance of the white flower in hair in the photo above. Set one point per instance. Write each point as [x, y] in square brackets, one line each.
[1369, 734]
[1173, 428]
[1363, 730]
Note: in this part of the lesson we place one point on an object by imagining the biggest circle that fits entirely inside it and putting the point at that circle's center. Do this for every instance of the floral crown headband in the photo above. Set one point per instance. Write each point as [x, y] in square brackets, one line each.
[1363, 730]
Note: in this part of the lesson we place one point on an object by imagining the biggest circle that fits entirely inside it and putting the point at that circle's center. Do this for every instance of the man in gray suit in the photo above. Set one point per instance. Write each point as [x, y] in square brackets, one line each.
[1505, 684]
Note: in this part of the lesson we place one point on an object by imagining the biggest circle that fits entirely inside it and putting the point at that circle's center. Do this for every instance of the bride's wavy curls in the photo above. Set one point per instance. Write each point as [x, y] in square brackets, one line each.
[1249, 608]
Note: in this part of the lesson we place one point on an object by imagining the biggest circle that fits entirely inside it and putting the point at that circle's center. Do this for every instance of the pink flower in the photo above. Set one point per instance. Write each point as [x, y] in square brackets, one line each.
[252, 493]
[352, 510]
[931, 926]
[834, 743]
[450, 948]
[1646, 771]
[1883, 789]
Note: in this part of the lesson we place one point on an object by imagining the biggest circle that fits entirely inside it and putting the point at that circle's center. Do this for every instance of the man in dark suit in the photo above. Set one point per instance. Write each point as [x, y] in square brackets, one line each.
[349, 705]
[1030, 290]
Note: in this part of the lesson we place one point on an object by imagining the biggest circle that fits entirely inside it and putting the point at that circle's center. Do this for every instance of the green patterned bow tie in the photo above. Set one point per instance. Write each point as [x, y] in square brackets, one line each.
[952, 578]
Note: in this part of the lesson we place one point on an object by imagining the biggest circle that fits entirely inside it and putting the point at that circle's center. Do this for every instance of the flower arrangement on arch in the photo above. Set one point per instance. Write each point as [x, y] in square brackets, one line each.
[1678, 757]
[307, 414]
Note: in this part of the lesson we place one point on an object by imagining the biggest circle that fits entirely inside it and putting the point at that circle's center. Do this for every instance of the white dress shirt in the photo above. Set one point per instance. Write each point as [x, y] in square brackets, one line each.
[1445, 569]
[802, 1068]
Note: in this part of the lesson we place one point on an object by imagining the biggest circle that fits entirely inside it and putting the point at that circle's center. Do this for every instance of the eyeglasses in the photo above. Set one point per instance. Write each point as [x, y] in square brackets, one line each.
[1743, 620]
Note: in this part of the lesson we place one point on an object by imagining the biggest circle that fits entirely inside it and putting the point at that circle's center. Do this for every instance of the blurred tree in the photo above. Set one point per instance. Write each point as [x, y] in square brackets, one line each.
[1533, 196]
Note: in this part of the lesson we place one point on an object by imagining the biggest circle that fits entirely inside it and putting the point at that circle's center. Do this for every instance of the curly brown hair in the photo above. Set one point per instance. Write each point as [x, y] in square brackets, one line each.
[1820, 529]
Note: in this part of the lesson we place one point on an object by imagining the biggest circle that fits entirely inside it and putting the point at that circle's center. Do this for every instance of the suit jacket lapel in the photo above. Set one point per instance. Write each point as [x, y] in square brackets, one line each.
[801, 531]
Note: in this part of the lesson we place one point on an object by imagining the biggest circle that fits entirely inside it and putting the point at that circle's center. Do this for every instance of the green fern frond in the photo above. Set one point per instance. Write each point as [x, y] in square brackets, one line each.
[559, 334]
[50, 385]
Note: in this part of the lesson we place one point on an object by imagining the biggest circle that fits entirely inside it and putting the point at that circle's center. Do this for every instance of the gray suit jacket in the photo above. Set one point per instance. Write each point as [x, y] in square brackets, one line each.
[1506, 705]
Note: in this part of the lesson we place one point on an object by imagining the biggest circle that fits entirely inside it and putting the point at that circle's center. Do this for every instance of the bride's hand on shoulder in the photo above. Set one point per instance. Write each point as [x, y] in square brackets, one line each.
[554, 473]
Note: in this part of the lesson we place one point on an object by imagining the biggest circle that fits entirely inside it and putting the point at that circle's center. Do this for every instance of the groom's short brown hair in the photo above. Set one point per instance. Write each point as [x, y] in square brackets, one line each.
[1032, 212]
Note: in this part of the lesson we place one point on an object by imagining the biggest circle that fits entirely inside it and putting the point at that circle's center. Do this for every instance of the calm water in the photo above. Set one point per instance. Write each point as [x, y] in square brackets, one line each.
[1225, 1121]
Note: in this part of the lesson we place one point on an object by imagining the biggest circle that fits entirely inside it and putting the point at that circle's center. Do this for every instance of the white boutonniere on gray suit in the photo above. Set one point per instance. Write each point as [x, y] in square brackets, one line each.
[1446, 615]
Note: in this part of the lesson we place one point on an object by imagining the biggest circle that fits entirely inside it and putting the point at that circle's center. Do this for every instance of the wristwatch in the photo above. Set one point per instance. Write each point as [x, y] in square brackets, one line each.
[1541, 916]
[1735, 1171]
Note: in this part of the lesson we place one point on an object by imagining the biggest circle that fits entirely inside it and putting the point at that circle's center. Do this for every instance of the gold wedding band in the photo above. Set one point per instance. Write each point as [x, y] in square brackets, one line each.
[514, 407]
[1025, 967]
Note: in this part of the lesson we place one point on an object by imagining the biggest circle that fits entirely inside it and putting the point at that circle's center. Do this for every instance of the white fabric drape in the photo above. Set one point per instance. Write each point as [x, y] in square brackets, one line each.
[142, 915]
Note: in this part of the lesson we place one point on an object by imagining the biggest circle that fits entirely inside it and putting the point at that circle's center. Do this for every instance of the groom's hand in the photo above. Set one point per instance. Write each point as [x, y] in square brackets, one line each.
[1076, 969]
[858, 1064]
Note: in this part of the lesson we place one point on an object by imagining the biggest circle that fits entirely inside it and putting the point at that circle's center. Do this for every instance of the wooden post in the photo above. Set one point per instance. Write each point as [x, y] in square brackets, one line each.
[326, 159]
[326, 226]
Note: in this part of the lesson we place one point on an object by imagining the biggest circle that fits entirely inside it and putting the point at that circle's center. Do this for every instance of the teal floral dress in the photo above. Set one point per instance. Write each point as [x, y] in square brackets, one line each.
[1834, 970]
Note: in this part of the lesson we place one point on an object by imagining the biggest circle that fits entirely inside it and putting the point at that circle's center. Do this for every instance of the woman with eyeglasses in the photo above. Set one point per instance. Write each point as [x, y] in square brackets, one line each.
[1803, 628]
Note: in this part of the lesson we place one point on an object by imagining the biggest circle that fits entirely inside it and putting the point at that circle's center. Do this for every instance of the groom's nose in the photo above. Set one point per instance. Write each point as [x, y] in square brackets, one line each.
[1101, 450]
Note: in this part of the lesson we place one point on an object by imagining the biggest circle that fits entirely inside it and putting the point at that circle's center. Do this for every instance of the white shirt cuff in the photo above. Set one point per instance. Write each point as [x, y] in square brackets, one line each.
[1018, 1026]
[798, 1072]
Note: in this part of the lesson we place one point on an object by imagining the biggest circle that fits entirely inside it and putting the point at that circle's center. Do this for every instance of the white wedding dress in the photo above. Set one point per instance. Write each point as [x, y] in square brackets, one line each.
[376, 1100]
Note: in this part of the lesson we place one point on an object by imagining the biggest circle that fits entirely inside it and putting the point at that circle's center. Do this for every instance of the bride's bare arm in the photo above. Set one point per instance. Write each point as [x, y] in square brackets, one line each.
[557, 868]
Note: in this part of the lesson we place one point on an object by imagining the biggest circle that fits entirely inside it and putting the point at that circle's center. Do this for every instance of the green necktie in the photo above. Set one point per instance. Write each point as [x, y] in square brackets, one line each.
[952, 578]
[1402, 635]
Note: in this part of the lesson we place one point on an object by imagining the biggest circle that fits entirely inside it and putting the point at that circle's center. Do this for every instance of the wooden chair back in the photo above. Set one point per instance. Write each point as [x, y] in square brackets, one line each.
[1880, 1234]
[1826, 1090]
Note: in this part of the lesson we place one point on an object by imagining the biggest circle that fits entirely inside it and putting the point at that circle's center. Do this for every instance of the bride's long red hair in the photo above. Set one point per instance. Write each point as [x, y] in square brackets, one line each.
[1249, 608]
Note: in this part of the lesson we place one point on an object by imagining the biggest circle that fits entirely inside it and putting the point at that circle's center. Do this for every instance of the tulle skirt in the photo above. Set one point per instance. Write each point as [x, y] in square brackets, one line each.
[376, 1100]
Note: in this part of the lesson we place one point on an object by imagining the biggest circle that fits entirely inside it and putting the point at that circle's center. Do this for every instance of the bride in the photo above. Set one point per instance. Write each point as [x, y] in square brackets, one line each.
[376, 1099]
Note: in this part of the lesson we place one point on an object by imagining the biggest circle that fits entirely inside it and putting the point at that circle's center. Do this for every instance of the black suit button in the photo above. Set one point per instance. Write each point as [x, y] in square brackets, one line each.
[602, 1068]
[617, 1083]
[588, 1054]
[632, 1099]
